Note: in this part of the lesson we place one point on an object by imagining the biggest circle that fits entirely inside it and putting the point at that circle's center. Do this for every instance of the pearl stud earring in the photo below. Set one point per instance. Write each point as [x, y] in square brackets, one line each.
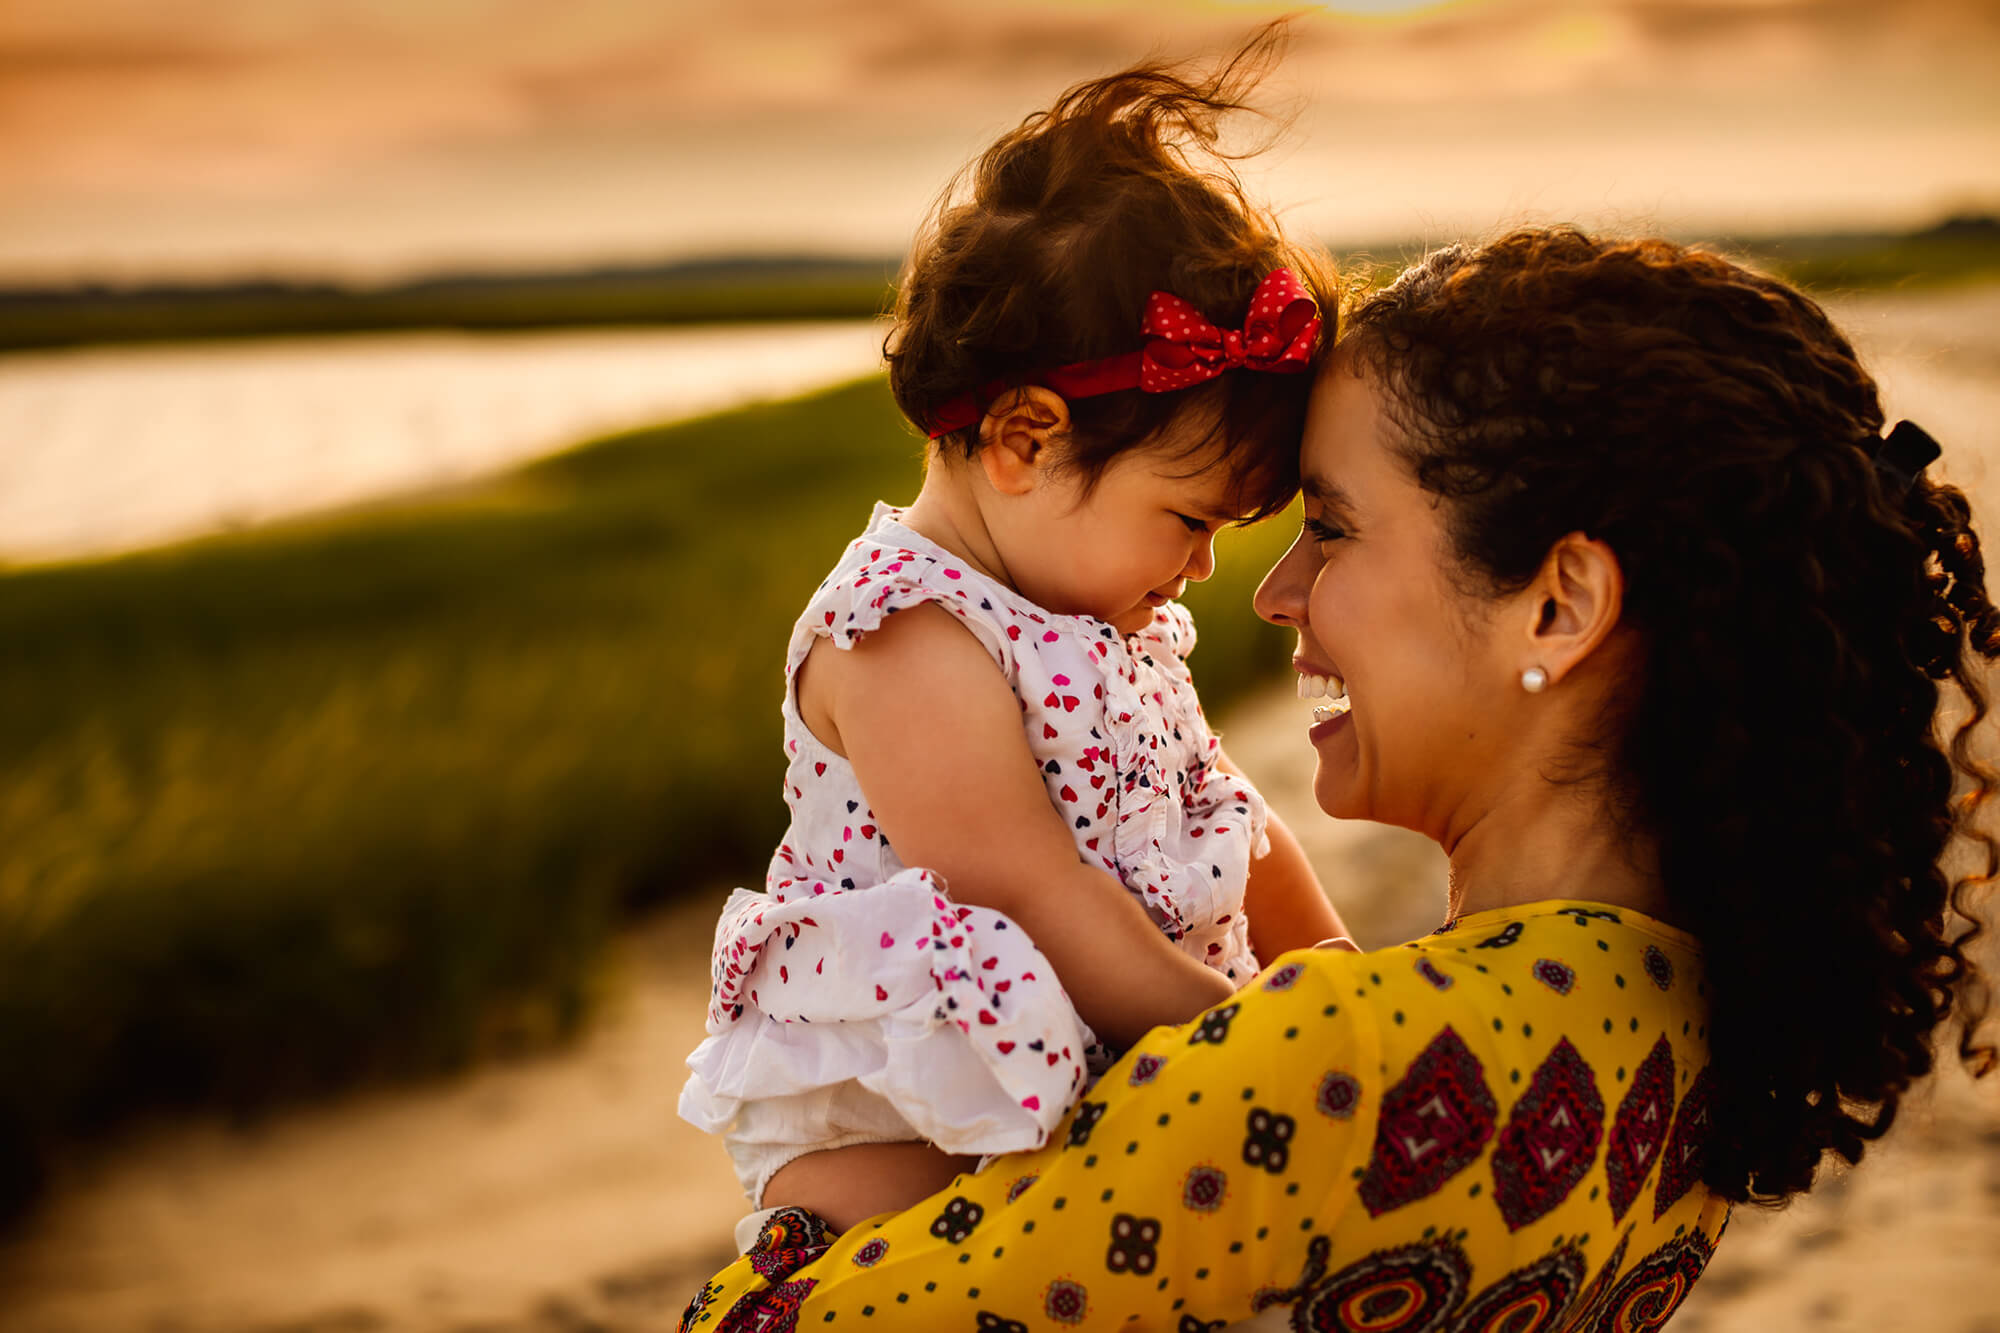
[1534, 680]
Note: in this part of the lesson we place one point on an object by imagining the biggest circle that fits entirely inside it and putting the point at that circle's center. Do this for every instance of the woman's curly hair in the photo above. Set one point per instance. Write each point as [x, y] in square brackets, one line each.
[1046, 249]
[1798, 611]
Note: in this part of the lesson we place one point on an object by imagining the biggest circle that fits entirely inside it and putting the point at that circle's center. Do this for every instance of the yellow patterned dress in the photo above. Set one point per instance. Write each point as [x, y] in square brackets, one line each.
[1497, 1127]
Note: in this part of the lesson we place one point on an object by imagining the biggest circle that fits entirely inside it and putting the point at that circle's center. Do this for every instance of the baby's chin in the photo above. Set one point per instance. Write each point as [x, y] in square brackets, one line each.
[1132, 621]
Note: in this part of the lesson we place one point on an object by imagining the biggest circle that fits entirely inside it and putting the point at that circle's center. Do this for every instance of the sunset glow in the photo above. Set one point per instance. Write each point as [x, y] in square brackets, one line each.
[326, 136]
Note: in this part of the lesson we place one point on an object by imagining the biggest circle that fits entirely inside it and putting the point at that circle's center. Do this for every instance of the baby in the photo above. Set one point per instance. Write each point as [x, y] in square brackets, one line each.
[1015, 841]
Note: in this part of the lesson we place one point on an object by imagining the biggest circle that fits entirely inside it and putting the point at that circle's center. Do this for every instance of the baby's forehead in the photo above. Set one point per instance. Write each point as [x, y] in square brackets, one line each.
[1212, 483]
[1223, 471]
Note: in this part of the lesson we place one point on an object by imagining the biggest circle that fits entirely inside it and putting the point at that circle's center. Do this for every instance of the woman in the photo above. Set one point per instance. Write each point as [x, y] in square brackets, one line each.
[1642, 619]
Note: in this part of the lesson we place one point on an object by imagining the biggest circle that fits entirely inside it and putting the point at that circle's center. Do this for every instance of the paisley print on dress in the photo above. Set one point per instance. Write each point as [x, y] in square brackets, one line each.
[1687, 1146]
[1598, 1293]
[1648, 1295]
[1495, 1180]
[1405, 1289]
[1433, 1124]
[789, 1239]
[1550, 1138]
[1531, 1299]
[773, 1311]
[1640, 1128]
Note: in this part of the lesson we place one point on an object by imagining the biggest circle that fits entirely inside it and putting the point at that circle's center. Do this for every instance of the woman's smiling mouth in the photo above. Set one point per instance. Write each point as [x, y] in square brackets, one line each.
[1315, 684]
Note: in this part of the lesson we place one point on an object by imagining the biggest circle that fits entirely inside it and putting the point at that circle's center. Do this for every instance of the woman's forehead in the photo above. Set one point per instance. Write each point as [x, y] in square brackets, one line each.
[1343, 442]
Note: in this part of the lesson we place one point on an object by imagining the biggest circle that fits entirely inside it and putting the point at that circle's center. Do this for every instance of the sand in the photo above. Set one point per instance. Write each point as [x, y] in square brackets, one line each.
[561, 1193]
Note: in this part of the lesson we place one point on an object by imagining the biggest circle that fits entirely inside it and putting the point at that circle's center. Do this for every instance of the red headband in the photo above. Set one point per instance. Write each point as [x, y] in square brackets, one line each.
[1182, 349]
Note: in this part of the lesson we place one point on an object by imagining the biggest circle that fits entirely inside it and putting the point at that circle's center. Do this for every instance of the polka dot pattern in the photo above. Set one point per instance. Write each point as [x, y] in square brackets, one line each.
[1182, 349]
[1185, 349]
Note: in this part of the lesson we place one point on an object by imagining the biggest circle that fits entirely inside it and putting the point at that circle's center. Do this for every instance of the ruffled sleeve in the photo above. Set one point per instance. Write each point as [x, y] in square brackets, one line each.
[879, 578]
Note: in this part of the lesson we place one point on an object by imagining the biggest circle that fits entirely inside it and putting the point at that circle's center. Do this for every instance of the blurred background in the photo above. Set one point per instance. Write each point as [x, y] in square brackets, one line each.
[420, 423]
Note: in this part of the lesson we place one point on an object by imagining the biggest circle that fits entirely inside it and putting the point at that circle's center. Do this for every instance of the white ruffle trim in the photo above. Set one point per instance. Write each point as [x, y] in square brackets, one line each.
[946, 1013]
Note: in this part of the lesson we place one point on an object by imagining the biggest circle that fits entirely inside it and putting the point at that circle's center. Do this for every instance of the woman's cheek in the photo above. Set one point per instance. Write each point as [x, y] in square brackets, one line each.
[1329, 615]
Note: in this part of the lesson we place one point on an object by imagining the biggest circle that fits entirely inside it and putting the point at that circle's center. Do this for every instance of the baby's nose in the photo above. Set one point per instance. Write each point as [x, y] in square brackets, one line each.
[1201, 563]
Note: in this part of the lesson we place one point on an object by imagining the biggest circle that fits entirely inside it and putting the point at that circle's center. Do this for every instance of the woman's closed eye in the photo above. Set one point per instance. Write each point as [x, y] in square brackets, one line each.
[1322, 531]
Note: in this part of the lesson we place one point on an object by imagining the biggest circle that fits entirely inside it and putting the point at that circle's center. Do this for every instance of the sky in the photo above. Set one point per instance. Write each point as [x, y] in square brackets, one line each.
[372, 139]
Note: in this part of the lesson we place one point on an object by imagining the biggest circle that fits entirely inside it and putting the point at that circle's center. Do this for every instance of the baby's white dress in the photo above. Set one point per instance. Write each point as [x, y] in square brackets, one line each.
[853, 1001]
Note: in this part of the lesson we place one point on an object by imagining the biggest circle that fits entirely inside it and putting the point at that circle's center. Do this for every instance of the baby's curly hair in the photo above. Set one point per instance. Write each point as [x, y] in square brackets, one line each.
[1798, 612]
[1046, 249]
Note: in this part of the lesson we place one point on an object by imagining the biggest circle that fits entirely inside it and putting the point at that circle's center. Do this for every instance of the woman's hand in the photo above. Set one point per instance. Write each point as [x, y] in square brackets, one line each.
[1284, 901]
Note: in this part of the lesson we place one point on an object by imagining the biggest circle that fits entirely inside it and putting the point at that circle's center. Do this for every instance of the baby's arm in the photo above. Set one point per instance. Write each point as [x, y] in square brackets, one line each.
[1284, 901]
[934, 735]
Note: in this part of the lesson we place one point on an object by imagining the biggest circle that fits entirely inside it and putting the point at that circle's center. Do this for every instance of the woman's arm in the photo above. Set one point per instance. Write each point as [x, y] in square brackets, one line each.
[934, 735]
[1206, 1167]
[1286, 906]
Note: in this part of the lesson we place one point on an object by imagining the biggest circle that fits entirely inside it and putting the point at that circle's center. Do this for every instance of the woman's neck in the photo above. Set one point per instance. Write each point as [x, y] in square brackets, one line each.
[1551, 842]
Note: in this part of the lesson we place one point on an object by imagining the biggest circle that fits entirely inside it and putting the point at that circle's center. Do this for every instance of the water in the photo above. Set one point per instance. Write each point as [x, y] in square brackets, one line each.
[108, 449]
[1935, 354]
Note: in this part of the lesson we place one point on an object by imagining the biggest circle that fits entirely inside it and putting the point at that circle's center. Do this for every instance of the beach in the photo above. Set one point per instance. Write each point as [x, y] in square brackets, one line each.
[559, 1191]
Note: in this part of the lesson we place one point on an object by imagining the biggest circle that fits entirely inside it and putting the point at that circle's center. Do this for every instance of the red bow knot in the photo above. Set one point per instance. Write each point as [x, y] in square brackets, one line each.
[1183, 348]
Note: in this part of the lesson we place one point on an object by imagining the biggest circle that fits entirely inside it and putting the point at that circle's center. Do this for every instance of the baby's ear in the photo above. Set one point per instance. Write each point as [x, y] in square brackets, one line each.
[1015, 436]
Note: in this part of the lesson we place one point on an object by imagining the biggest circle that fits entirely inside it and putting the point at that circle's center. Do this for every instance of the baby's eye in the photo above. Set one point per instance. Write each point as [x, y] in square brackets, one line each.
[1193, 524]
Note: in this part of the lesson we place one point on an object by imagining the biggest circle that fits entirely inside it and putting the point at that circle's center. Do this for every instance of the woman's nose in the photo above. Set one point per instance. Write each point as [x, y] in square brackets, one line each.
[1281, 597]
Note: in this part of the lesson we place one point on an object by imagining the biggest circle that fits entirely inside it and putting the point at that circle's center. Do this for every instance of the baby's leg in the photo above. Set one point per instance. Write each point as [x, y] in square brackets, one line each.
[854, 1183]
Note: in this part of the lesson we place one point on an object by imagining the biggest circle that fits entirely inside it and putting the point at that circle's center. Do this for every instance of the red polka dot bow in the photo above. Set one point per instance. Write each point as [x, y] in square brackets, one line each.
[1182, 349]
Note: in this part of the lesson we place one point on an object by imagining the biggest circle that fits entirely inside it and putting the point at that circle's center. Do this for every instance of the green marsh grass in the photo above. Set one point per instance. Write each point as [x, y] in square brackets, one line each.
[362, 797]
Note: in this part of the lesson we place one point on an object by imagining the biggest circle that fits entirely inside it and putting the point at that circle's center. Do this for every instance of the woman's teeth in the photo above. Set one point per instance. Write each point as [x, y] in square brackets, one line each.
[1321, 687]
[1325, 687]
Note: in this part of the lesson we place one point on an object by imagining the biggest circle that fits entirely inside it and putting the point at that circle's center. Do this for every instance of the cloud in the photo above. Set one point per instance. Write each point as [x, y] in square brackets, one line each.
[456, 112]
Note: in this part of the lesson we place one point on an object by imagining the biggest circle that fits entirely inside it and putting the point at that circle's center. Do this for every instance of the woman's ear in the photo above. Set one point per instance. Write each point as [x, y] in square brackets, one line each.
[1578, 599]
[1015, 436]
